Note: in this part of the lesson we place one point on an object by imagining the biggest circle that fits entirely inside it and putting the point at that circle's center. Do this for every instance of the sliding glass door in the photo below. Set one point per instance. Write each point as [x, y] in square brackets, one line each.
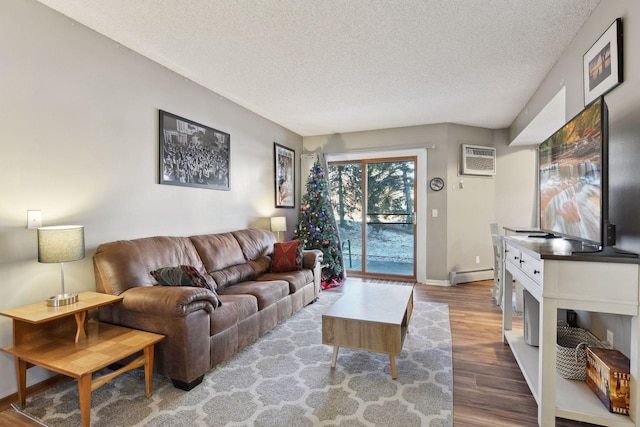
[374, 201]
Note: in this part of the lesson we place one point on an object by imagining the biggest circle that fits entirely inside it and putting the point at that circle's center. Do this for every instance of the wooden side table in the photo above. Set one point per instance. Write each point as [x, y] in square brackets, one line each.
[62, 340]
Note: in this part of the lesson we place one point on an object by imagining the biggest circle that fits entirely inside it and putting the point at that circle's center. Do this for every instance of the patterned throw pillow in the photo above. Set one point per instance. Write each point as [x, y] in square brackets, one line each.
[183, 275]
[287, 256]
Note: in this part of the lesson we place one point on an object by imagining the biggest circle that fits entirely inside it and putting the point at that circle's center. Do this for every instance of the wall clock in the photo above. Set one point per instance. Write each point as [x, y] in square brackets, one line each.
[436, 184]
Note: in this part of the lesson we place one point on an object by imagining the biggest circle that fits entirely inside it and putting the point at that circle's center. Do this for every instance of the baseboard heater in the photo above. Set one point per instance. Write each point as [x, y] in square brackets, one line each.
[456, 277]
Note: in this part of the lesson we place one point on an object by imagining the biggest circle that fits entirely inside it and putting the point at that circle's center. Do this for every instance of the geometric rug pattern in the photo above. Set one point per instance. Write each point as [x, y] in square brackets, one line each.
[285, 379]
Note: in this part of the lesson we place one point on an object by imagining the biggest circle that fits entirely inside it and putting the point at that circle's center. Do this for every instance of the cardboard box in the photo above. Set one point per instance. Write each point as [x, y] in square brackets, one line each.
[608, 376]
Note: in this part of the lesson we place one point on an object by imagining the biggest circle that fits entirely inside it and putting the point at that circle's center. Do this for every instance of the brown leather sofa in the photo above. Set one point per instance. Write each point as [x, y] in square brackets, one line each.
[200, 332]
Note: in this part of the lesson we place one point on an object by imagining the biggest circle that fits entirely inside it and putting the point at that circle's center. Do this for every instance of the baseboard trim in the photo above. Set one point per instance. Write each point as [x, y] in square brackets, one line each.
[434, 282]
[456, 277]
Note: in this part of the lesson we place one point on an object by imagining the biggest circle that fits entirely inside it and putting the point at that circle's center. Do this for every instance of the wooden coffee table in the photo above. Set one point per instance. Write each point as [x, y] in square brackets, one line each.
[62, 340]
[372, 317]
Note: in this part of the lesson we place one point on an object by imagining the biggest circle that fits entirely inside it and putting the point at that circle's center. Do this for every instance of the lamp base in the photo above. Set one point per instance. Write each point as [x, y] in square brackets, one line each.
[62, 299]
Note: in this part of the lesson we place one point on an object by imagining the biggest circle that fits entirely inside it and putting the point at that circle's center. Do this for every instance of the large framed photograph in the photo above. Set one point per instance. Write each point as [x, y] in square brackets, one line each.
[193, 155]
[284, 171]
[602, 64]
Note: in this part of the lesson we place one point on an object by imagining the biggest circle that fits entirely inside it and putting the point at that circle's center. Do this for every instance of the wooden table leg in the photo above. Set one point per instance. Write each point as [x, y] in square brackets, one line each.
[84, 392]
[81, 318]
[21, 378]
[148, 368]
[335, 356]
[392, 360]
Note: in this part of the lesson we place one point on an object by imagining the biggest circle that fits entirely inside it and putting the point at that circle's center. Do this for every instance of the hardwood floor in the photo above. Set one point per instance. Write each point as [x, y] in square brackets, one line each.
[489, 390]
[11, 418]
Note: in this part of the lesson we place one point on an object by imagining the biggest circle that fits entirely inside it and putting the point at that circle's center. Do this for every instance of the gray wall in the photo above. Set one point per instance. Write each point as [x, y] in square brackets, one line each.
[79, 120]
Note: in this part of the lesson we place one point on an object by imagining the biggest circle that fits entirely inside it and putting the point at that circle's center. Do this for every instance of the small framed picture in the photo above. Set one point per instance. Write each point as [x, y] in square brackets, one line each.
[602, 64]
[193, 155]
[284, 171]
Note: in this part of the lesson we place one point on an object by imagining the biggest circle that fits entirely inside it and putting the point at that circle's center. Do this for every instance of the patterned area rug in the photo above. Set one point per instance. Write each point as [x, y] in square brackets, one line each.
[285, 379]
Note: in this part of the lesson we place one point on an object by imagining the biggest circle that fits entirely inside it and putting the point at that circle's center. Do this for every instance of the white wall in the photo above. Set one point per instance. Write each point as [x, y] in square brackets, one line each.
[516, 197]
[79, 121]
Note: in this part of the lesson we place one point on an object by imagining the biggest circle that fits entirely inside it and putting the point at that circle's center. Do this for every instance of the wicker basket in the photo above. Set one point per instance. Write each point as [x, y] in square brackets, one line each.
[571, 357]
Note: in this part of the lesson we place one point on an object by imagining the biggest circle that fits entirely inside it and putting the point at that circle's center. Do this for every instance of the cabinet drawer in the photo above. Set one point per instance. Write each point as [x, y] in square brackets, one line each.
[524, 263]
[512, 254]
[532, 267]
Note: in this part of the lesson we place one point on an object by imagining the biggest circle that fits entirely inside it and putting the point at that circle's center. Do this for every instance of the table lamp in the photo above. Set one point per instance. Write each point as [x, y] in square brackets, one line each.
[61, 244]
[278, 224]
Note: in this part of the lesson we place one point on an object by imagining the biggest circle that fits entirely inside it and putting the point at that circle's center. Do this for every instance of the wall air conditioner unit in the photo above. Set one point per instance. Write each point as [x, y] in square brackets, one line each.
[478, 160]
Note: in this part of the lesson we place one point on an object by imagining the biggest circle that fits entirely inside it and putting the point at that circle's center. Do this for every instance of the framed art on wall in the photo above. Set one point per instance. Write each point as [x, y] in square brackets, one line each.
[284, 171]
[602, 64]
[193, 155]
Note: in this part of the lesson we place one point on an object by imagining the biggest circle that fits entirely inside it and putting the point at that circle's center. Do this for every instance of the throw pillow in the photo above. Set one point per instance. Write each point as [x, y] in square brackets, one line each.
[287, 256]
[183, 275]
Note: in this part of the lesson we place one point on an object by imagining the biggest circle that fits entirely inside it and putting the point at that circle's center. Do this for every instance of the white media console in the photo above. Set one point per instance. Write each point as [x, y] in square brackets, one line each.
[560, 280]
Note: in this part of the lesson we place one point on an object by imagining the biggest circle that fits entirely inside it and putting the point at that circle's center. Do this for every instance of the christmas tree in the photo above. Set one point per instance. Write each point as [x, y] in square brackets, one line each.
[317, 227]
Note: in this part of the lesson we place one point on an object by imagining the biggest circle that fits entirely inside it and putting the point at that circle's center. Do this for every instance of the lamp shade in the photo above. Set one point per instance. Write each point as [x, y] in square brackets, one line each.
[62, 243]
[278, 223]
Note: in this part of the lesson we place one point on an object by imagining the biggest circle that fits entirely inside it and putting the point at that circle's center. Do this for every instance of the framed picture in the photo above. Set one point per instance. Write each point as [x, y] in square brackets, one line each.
[602, 64]
[193, 155]
[284, 171]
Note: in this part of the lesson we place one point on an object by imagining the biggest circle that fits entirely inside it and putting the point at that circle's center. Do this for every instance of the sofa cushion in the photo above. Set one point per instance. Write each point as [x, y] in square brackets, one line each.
[218, 251]
[234, 309]
[267, 293]
[232, 275]
[261, 265]
[127, 263]
[287, 256]
[254, 243]
[223, 259]
[296, 279]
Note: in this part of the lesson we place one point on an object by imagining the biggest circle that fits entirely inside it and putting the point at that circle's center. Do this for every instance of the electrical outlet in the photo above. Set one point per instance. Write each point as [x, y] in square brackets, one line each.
[477, 259]
[610, 338]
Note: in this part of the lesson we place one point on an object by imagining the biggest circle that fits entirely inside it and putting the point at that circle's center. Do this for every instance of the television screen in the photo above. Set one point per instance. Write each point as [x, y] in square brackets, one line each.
[570, 176]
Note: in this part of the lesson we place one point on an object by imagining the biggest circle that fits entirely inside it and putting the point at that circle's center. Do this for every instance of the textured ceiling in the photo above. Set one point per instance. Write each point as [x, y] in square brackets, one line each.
[333, 66]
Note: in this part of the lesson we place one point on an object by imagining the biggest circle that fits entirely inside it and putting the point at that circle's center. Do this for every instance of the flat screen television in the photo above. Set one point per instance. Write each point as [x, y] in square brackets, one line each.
[572, 173]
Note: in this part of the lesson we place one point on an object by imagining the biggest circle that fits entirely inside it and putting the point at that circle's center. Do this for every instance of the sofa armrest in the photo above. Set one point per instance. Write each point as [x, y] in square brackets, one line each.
[181, 314]
[169, 300]
[311, 258]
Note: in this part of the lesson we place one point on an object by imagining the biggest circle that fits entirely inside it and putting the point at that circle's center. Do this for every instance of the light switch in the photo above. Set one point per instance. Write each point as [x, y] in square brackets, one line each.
[434, 213]
[34, 219]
